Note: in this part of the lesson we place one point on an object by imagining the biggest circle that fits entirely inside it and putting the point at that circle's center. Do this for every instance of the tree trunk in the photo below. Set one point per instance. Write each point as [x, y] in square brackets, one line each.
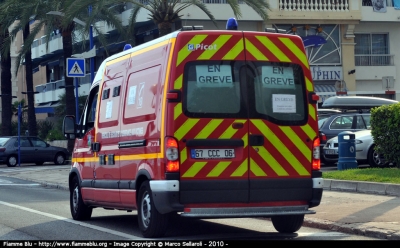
[29, 87]
[164, 28]
[6, 86]
[69, 81]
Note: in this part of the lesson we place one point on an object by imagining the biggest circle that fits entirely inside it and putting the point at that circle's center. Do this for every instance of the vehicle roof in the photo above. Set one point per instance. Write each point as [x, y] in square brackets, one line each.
[356, 102]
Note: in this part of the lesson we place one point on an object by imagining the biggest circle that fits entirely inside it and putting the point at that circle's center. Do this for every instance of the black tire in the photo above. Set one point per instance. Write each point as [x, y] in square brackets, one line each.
[287, 223]
[152, 224]
[329, 164]
[374, 159]
[39, 163]
[79, 210]
[12, 161]
[59, 159]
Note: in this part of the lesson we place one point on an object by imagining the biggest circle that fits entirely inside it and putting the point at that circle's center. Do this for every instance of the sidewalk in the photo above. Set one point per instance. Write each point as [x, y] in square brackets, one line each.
[374, 210]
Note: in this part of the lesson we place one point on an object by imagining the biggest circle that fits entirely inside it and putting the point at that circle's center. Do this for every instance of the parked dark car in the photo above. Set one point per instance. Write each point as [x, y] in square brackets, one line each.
[32, 150]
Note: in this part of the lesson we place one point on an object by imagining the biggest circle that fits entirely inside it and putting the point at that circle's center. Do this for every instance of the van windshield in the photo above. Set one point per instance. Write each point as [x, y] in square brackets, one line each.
[238, 89]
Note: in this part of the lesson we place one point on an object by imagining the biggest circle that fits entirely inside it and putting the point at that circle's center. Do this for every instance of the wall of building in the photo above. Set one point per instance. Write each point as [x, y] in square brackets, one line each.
[369, 78]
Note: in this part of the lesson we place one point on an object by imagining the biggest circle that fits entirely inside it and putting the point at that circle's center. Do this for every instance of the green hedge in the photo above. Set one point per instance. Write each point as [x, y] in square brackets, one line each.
[385, 124]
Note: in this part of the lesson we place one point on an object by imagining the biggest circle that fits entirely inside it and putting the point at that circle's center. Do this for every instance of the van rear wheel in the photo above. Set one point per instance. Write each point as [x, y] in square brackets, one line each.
[287, 223]
[79, 210]
[152, 224]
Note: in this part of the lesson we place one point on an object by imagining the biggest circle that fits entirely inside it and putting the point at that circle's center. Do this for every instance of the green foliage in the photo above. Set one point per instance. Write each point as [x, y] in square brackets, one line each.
[55, 134]
[385, 175]
[23, 127]
[44, 128]
[385, 124]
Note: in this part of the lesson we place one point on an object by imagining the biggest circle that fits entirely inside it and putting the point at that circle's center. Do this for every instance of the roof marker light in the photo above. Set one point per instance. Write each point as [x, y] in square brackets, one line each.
[231, 24]
[127, 47]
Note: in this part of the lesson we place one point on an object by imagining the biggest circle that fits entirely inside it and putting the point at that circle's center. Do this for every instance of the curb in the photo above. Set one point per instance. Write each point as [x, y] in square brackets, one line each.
[388, 189]
[351, 229]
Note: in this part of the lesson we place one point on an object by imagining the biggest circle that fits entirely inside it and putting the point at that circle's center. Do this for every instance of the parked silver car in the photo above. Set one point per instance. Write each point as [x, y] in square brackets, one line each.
[32, 150]
[365, 152]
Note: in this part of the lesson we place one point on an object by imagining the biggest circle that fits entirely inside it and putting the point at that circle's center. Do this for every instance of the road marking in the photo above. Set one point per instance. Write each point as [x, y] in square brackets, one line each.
[9, 183]
[19, 184]
[121, 234]
[323, 234]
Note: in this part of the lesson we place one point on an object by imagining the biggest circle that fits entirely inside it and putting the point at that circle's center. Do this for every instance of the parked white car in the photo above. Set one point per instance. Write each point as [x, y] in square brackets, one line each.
[365, 152]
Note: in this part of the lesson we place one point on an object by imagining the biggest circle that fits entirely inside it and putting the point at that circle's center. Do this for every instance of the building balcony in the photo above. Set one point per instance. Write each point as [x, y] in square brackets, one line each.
[368, 13]
[383, 66]
[51, 91]
[321, 11]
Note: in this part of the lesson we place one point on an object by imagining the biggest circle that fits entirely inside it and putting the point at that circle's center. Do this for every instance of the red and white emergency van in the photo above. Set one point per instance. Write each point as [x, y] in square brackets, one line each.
[203, 123]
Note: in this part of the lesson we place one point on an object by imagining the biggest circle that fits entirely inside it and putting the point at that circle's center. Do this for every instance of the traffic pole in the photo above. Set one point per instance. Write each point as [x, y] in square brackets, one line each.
[19, 134]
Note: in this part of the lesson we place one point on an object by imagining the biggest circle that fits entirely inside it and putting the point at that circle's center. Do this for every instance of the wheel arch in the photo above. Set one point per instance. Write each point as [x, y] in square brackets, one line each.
[74, 173]
[142, 176]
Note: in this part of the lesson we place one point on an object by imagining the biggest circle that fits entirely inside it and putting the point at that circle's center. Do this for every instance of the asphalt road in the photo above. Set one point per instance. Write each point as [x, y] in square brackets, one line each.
[32, 212]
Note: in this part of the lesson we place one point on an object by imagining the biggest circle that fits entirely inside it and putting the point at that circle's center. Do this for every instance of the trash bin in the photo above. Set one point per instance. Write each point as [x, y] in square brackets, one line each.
[347, 151]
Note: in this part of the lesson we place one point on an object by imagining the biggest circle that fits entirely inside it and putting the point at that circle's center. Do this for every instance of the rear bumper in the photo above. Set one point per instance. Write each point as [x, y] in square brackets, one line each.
[166, 195]
[171, 196]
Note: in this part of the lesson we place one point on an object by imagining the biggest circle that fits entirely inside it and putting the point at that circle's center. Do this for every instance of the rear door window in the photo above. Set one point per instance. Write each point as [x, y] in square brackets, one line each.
[263, 90]
[213, 89]
[279, 93]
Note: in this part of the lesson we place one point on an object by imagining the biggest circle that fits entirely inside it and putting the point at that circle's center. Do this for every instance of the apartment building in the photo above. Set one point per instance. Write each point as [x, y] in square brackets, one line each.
[352, 45]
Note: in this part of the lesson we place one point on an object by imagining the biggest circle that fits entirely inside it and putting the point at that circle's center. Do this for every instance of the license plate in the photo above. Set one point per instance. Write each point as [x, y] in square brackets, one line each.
[331, 152]
[212, 153]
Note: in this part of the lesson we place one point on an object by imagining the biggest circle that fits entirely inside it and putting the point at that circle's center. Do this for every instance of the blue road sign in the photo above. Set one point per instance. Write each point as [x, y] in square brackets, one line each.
[75, 67]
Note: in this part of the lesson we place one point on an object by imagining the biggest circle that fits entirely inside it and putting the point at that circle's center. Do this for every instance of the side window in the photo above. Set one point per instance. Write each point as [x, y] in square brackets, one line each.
[89, 113]
[38, 143]
[342, 122]
[367, 120]
[24, 142]
[360, 123]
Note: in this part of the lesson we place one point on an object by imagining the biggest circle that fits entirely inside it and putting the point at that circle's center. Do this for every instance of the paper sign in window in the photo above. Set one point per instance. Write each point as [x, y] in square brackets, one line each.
[132, 95]
[277, 77]
[283, 103]
[214, 76]
[109, 109]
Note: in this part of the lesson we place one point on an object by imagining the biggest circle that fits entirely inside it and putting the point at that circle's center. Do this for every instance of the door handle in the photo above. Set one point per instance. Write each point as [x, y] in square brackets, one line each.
[256, 140]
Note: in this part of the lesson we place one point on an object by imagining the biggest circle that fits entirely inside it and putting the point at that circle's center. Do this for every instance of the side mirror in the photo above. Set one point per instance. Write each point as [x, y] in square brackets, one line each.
[69, 127]
[47, 144]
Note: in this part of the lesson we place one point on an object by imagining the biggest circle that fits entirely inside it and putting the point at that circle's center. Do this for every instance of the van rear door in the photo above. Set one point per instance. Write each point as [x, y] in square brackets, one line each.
[211, 123]
[282, 123]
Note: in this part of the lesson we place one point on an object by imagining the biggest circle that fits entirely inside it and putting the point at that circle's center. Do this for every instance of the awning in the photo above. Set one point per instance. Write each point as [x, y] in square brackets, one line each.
[43, 110]
[46, 107]
[324, 91]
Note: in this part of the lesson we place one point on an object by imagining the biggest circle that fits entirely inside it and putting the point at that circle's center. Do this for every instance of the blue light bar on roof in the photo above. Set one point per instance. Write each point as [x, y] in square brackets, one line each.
[231, 24]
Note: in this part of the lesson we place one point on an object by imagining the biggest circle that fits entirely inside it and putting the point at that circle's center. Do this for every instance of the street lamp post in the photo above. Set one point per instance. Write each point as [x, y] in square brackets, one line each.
[30, 92]
[91, 47]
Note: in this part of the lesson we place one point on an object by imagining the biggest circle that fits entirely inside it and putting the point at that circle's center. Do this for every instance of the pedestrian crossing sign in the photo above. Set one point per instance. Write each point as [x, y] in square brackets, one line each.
[75, 67]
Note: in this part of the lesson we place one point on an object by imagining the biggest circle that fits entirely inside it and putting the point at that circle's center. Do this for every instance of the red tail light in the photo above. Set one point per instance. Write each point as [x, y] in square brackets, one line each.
[172, 155]
[2, 149]
[316, 162]
[322, 136]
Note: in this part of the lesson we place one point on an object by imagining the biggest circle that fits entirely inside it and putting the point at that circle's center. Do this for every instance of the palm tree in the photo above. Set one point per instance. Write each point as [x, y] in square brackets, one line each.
[166, 12]
[46, 23]
[6, 77]
[21, 12]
